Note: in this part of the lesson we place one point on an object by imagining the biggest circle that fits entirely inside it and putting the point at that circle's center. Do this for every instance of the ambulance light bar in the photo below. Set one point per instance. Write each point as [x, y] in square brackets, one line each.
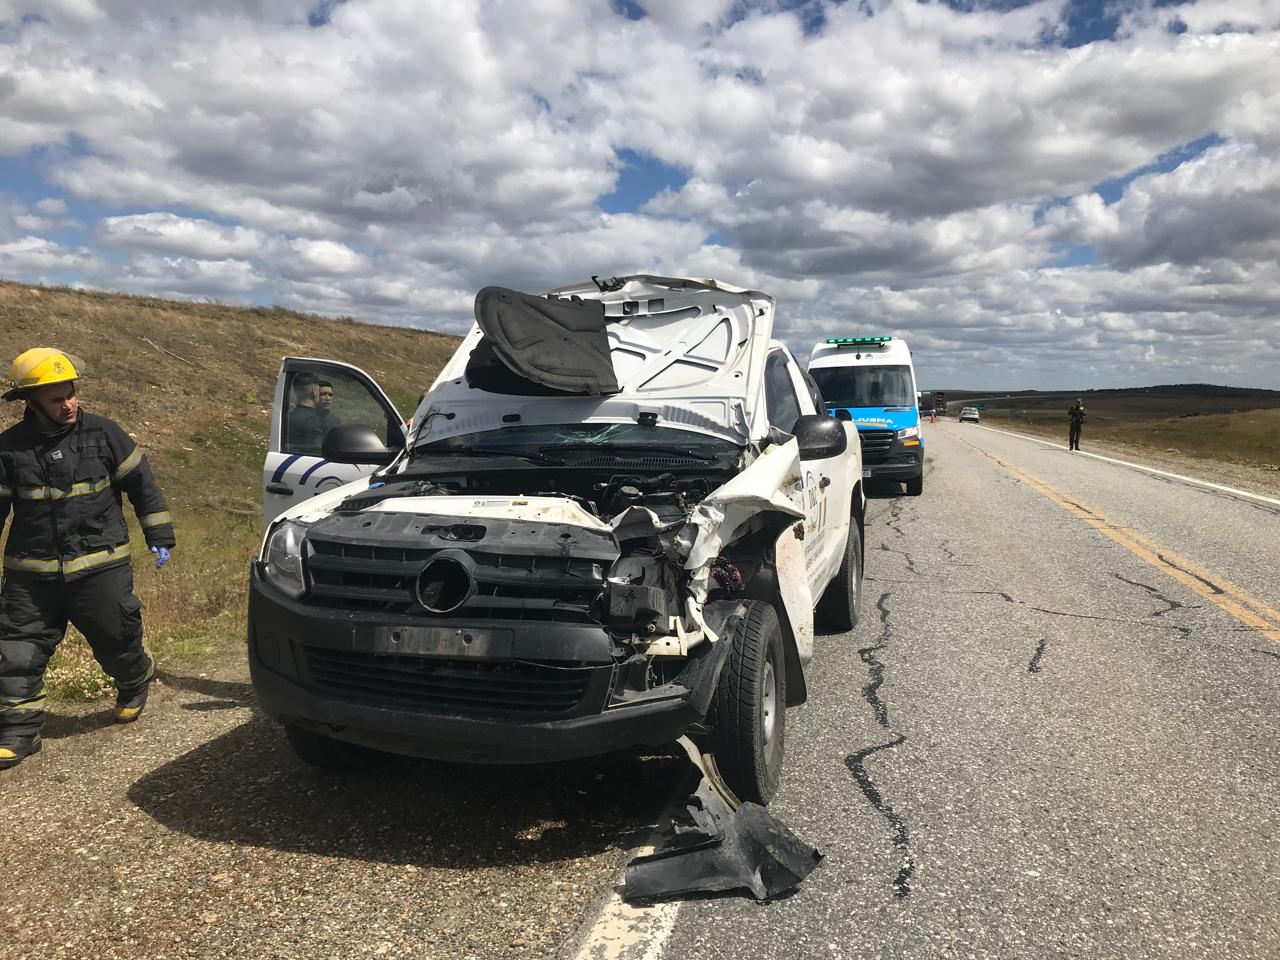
[858, 341]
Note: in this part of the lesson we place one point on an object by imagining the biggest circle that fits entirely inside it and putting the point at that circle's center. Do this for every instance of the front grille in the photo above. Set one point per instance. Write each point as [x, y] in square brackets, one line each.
[458, 687]
[876, 445]
[508, 586]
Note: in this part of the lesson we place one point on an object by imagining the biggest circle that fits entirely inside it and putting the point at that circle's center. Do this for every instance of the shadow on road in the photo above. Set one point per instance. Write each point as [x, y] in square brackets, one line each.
[224, 694]
[246, 787]
[882, 489]
[57, 726]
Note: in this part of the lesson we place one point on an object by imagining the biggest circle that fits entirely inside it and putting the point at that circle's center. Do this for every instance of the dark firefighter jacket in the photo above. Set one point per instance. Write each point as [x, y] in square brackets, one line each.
[64, 490]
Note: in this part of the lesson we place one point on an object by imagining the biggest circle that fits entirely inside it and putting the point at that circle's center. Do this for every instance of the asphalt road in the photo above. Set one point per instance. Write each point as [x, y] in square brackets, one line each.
[1043, 740]
[1037, 743]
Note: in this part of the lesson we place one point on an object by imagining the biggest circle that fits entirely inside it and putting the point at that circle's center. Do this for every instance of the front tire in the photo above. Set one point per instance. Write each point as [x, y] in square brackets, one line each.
[325, 752]
[748, 711]
[837, 611]
[915, 486]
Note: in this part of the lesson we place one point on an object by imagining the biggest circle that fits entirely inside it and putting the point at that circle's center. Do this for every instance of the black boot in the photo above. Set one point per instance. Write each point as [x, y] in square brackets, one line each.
[129, 704]
[13, 750]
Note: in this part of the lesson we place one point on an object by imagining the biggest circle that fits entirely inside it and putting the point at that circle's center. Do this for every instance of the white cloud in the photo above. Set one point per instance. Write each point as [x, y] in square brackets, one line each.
[188, 276]
[328, 257]
[37, 257]
[184, 236]
[1223, 204]
[885, 170]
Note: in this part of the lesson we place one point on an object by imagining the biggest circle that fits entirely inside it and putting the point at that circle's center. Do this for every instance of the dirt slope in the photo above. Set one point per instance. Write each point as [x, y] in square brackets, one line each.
[193, 382]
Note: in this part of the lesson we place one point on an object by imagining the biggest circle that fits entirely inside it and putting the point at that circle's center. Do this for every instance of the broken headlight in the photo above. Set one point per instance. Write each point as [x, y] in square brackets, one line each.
[282, 560]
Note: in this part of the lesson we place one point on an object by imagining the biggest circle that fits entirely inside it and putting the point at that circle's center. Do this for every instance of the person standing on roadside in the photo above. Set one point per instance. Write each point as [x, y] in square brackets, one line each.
[62, 473]
[1075, 414]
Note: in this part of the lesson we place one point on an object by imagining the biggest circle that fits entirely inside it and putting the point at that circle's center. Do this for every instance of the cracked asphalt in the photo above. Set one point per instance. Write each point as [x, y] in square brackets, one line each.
[1035, 745]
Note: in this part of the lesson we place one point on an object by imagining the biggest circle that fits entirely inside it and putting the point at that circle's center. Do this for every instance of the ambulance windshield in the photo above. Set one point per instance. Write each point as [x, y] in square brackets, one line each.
[870, 386]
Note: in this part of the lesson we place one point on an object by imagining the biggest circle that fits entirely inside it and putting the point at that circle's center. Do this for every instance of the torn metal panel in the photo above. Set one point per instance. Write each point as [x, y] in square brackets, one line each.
[556, 343]
[760, 488]
[793, 588]
[717, 845]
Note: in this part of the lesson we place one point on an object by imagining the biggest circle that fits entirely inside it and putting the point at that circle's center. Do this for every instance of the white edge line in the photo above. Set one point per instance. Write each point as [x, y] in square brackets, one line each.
[1139, 466]
[620, 931]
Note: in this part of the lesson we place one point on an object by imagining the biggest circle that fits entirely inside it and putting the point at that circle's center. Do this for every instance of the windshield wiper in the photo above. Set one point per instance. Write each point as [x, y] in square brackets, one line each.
[535, 457]
[639, 447]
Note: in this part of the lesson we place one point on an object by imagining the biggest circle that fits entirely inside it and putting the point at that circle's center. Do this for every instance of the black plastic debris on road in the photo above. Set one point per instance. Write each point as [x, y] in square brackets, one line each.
[714, 848]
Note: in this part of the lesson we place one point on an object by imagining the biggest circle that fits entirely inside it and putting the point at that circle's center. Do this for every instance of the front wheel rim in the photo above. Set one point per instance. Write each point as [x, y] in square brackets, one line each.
[769, 704]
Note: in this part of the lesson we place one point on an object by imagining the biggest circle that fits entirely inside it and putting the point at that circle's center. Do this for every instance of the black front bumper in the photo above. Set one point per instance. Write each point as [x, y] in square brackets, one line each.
[893, 471]
[899, 462]
[488, 692]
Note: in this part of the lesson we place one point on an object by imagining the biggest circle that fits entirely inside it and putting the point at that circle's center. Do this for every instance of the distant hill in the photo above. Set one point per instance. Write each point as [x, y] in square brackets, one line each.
[193, 382]
[1129, 404]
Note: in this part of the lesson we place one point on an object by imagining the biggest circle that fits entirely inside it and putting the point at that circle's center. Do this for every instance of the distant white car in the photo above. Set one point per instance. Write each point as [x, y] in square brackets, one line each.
[969, 413]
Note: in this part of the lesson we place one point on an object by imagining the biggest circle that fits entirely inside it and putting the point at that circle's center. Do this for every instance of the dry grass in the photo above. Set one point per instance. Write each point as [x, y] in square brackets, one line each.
[204, 427]
[1251, 437]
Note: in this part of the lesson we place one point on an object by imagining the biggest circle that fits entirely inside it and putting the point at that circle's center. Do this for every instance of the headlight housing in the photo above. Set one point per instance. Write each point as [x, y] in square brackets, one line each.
[282, 560]
[908, 432]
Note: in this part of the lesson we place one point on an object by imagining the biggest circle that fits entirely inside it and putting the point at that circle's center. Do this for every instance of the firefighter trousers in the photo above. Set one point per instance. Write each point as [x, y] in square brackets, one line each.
[1073, 437]
[34, 613]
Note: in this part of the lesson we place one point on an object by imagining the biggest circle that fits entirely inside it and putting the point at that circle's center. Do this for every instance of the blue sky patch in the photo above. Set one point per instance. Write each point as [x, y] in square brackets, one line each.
[640, 178]
[1073, 255]
[1112, 190]
[629, 9]
[320, 14]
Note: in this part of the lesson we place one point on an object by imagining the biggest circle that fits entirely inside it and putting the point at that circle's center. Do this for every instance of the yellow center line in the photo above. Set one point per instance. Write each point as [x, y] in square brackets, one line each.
[1246, 608]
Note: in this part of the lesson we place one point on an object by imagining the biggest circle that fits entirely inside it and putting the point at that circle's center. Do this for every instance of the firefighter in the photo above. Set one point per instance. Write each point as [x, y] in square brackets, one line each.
[62, 473]
[1075, 414]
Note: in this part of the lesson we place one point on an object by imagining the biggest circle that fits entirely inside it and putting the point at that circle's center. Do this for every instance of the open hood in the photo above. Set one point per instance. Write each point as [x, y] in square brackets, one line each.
[688, 352]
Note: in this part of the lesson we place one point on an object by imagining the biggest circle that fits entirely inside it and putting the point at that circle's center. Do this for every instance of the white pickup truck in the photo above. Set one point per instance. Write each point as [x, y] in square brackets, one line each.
[608, 525]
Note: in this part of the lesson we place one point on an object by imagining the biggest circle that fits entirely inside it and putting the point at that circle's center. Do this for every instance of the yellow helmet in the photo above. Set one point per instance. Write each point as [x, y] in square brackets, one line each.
[40, 367]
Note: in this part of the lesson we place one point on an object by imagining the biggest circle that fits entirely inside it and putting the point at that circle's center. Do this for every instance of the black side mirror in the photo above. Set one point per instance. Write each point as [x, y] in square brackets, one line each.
[355, 443]
[843, 414]
[820, 437]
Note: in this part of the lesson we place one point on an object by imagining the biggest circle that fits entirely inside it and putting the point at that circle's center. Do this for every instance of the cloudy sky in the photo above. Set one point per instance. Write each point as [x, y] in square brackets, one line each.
[1037, 195]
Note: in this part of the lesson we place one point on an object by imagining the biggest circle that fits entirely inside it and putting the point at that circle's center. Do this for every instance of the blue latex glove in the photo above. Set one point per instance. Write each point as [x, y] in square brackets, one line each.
[162, 556]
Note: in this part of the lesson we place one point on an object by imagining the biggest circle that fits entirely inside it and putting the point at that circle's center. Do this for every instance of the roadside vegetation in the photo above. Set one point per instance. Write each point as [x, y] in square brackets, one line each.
[1201, 421]
[193, 383]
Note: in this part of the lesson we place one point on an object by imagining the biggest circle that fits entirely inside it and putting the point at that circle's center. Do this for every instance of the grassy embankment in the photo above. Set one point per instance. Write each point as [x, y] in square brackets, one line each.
[1200, 421]
[203, 424]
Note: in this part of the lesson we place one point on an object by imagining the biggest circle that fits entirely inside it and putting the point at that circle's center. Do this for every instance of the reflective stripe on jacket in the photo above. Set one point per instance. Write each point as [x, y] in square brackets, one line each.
[65, 493]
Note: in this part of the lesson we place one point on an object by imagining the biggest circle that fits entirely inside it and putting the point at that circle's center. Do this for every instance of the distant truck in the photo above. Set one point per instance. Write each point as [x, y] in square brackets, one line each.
[872, 381]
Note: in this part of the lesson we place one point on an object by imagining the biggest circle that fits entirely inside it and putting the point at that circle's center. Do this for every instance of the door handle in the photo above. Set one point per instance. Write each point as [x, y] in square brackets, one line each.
[280, 490]
[824, 483]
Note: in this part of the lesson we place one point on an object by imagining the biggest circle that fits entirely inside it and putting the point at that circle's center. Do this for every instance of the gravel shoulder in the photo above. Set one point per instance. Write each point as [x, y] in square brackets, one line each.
[196, 833]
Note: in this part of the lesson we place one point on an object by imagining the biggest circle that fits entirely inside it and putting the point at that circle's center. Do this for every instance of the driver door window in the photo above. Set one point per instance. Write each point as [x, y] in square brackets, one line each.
[317, 400]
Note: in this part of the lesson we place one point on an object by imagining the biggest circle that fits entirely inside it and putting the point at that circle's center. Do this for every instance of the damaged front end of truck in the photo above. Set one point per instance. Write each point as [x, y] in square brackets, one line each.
[589, 512]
